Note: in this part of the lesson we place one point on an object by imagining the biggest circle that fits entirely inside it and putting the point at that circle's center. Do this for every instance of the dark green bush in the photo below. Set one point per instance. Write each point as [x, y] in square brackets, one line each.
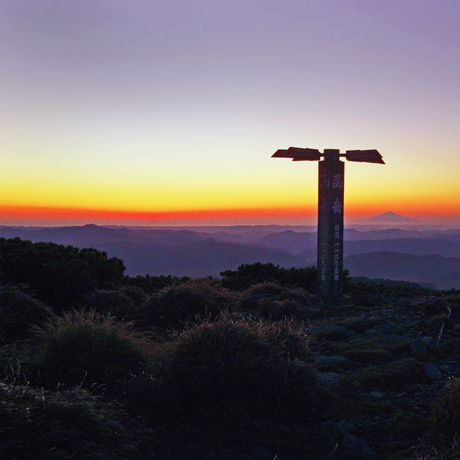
[18, 312]
[72, 424]
[274, 301]
[446, 410]
[228, 371]
[135, 293]
[152, 284]
[186, 302]
[286, 338]
[58, 275]
[272, 289]
[114, 303]
[393, 375]
[247, 275]
[86, 347]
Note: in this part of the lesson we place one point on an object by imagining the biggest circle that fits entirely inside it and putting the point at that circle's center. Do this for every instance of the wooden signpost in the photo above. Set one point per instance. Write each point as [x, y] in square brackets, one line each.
[330, 212]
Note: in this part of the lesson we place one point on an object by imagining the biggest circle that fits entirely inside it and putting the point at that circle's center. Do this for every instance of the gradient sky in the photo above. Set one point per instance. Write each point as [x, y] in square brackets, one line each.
[150, 112]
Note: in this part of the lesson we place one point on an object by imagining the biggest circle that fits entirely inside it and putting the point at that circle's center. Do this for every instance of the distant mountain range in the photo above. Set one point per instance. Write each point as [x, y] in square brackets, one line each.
[399, 254]
[443, 272]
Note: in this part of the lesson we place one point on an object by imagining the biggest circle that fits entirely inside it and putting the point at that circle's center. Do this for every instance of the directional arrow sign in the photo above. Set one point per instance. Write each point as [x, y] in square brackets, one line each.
[364, 156]
[304, 154]
[331, 180]
[298, 154]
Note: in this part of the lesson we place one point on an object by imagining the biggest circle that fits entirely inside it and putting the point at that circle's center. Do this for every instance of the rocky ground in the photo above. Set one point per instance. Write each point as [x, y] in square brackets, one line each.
[387, 360]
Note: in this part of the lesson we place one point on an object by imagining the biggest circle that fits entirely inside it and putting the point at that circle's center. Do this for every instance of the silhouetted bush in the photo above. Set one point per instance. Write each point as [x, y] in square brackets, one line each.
[185, 302]
[274, 301]
[152, 284]
[89, 347]
[58, 275]
[247, 275]
[286, 338]
[231, 371]
[446, 410]
[115, 303]
[73, 424]
[135, 293]
[18, 312]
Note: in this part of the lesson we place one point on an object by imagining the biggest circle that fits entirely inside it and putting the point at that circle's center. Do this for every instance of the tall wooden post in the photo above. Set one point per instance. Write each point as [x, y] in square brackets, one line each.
[330, 226]
[330, 211]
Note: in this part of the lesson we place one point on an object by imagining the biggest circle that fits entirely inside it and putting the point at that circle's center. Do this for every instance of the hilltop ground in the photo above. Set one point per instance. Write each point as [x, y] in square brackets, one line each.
[100, 366]
[382, 365]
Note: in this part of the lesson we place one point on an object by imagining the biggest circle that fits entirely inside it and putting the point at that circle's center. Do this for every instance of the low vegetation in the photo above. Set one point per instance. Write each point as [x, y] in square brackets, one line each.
[249, 367]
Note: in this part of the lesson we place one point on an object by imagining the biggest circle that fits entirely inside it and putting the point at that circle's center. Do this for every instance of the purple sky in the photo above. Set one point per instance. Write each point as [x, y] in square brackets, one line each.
[101, 99]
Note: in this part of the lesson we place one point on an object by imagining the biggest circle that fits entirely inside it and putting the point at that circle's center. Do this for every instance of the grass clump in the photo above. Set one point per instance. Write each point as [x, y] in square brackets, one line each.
[185, 302]
[86, 346]
[226, 371]
[446, 409]
[70, 424]
[392, 375]
[18, 312]
[115, 303]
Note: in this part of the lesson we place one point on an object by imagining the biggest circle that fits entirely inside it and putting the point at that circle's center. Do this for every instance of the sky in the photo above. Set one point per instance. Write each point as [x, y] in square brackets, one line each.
[154, 112]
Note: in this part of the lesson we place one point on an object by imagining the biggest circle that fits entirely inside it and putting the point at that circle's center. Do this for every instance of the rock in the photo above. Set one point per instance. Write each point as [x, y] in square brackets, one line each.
[357, 448]
[376, 394]
[262, 453]
[345, 427]
[330, 378]
[432, 371]
[400, 303]
[382, 329]
[417, 302]
[394, 339]
[418, 347]
[331, 360]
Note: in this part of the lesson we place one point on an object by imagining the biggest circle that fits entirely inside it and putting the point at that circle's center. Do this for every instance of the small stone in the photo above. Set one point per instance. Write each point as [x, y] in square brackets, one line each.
[331, 360]
[382, 329]
[417, 347]
[394, 339]
[432, 371]
[347, 427]
[400, 303]
[357, 448]
[262, 453]
[331, 378]
[417, 302]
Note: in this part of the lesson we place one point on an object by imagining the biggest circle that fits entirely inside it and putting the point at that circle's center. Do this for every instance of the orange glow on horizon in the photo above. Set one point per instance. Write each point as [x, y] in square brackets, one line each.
[33, 215]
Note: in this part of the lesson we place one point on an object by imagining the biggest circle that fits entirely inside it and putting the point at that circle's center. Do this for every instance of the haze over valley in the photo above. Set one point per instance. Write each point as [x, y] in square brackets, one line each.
[427, 256]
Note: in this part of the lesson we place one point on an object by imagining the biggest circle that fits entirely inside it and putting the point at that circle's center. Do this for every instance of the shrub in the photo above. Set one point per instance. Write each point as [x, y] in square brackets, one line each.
[115, 303]
[185, 302]
[286, 338]
[89, 347]
[274, 301]
[18, 312]
[135, 293]
[272, 289]
[283, 309]
[38, 424]
[392, 375]
[226, 371]
[247, 275]
[152, 284]
[58, 275]
[446, 410]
